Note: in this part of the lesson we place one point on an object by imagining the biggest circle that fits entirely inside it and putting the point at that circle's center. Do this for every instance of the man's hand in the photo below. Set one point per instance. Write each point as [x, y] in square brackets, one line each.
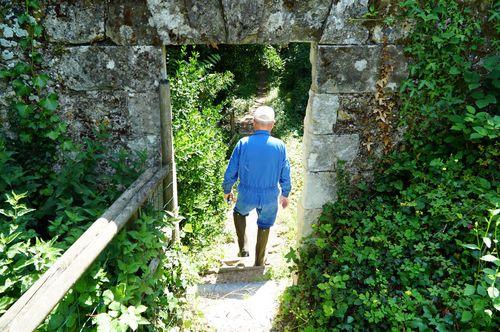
[284, 201]
[229, 197]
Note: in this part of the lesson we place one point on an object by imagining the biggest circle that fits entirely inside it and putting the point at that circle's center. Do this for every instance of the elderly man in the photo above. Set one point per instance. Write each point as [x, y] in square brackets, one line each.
[260, 162]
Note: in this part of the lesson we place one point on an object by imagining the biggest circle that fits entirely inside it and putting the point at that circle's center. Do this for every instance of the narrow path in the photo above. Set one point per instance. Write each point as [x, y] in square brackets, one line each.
[239, 296]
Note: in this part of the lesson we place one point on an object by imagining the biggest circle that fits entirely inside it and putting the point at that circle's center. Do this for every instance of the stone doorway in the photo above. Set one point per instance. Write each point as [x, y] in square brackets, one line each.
[108, 50]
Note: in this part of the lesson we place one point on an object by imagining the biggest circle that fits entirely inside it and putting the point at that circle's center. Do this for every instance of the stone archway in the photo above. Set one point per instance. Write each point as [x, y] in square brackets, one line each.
[111, 51]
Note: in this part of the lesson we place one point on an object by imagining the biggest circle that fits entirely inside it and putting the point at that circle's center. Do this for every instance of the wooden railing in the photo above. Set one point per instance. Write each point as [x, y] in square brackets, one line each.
[29, 311]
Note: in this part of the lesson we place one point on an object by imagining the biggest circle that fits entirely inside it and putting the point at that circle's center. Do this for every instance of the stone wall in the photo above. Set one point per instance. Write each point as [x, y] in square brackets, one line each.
[106, 55]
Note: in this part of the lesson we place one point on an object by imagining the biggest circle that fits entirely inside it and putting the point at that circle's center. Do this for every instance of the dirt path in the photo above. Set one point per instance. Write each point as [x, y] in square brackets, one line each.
[238, 296]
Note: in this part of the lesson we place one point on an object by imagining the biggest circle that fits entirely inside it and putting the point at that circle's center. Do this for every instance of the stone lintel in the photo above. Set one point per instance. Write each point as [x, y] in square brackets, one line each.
[293, 21]
[345, 25]
[127, 23]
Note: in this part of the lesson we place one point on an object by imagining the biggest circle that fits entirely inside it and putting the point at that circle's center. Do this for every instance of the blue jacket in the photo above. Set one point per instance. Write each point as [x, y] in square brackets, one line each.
[260, 162]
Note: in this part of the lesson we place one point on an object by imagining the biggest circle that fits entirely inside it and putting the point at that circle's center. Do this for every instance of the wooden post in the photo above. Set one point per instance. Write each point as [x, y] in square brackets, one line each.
[233, 125]
[167, 145]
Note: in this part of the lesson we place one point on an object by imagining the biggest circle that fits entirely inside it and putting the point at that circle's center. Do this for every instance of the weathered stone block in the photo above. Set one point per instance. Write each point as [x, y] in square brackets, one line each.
[243, 20]
[86, 111]
[306, 218]
[86, 68]
[321, 113]
[390, 34]
[188, 22]
[127, 23]
[319, 189]
[342, 27]
[323, 152]
[285, 21]
[144, 112]
[75, 22]
[132, 119]
[350, 69]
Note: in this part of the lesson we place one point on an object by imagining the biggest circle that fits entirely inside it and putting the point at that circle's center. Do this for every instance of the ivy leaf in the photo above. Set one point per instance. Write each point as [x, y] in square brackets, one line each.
[25, 138]
[454, 71]
[188, 228]
[471, 77]
[471, 246]
[491, 62]
[469, 290]
[22, 109]
[37, 30]
[108, 296]
[466, 316]
[40, 81]
[49, 104]
[484, 183]
[493, 292]
[487, 100]
[327, 309]
[53, 135]
[481, 131]
[20, 88]
[481, 291]
[4, 73]
[22, 68]
[476, 136]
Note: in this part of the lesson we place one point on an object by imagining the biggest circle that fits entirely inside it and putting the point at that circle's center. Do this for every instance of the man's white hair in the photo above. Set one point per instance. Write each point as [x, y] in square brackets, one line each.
[264, 115]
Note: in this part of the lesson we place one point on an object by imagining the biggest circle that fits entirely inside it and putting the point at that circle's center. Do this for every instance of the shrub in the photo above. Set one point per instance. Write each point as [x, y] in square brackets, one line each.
[199, 148]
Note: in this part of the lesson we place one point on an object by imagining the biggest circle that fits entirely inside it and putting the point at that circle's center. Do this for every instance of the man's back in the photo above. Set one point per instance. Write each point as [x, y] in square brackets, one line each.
[259, 161]
[261, 156]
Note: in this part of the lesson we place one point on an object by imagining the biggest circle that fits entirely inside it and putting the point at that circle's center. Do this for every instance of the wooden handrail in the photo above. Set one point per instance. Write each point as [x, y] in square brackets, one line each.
[29, 311]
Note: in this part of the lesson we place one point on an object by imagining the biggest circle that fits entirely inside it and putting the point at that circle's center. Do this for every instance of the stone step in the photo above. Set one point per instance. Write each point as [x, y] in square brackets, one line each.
[239, 273]
[240, 306]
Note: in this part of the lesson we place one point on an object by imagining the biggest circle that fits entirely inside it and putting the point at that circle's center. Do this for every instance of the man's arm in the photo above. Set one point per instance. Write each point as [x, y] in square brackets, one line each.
[285, 181]
[231, 174]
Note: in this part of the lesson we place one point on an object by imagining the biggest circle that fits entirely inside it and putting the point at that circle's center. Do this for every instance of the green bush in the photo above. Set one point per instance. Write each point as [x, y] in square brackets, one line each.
[200, 149]
[418, 249]
[294, 85]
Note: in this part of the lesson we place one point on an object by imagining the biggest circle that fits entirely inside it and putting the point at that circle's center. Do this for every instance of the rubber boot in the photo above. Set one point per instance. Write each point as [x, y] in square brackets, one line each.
[260, 247]
[240, 223]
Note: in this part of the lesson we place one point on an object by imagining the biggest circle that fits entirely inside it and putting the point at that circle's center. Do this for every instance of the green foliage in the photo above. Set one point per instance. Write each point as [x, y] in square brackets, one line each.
[200, 148]
[251, 65]
[294, 84]
[23, 256]
[418, 249]
[123, 289]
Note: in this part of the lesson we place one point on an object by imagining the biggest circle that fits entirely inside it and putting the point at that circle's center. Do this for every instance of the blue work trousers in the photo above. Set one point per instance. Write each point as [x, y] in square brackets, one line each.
[266, 211]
